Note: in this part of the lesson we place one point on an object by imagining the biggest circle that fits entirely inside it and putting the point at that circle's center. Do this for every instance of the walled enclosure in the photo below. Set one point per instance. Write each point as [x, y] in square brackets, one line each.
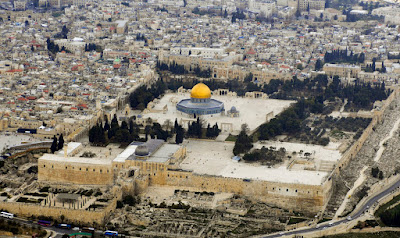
[67, 172]
[299, 197]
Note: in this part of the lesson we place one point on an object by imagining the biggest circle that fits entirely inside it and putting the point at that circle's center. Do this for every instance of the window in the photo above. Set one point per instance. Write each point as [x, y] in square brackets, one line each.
[101, 171]
[87, 169]
[287, 190]
[94, 170]
[296, 191]
[80, 168]
[65, 167]
[44, 166]
[52, 166]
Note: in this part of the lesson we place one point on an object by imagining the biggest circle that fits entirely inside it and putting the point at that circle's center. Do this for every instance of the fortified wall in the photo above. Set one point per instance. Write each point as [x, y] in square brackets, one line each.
[356, 147]
[298, 197]
[75, 173]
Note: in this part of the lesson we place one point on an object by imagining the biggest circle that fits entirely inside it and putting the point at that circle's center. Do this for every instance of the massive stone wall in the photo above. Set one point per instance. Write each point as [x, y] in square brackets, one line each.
[300, 197]
[75, 173]
[356, 147]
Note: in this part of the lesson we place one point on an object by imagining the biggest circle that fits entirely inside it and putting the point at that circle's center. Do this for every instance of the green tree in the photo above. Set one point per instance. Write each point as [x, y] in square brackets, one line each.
[318, 65]
[243, 142]
[299, 66]
[60, 142]
[180, 132]
[53, 147]
[249, 77]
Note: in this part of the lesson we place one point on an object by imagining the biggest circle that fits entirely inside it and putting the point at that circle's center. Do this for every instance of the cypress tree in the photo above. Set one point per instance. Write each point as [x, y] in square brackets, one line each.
[53, 147]
[60, 142]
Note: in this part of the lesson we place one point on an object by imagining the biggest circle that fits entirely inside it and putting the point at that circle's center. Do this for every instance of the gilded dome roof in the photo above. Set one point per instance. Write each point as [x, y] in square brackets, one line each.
[201, 91]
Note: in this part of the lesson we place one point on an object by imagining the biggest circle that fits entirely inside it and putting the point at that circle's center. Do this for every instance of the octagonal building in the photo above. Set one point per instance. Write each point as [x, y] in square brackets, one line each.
[200, 102]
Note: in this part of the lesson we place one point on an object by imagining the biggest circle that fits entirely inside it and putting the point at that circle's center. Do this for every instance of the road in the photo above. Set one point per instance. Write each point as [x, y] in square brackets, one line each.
[58, 231]
[354, 215]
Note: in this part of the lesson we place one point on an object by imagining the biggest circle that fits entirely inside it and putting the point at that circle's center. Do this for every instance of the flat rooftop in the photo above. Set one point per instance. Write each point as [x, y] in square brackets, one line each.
[10, 139]
[75, 160]
[164, 153]
[159, 151]
[215, 158]
[253, 112]
[103, 155]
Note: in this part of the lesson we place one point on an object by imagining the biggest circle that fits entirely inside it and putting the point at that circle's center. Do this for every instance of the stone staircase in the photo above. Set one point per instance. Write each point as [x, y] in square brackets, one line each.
[326, 166]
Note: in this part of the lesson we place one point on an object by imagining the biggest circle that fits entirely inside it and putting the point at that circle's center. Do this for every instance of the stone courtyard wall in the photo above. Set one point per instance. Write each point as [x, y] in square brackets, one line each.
[299, 197]
[66, 172]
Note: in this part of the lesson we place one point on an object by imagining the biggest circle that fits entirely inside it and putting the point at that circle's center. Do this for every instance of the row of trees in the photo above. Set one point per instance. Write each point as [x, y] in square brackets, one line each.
[359, 94]
[195, 129]
[238, 15]
[143, 95]
[141, 37]
[101, 135]
[180, 69]
[343, 56]
[93, 47]
[63, 34]
[57, 145]
[289, 121]
[54, 48]
[372, 67]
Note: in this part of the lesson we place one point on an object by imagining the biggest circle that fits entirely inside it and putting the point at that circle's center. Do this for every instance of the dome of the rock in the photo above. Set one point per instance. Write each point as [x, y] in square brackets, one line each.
[200, 91]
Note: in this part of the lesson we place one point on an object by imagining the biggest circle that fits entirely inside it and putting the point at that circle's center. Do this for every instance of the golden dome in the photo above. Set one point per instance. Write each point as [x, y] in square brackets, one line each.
[200, 91]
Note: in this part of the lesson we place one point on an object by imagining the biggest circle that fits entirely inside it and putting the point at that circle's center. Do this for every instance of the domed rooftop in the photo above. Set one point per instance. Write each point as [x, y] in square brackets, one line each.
[233, 109]
[141, 150]
[200, 91]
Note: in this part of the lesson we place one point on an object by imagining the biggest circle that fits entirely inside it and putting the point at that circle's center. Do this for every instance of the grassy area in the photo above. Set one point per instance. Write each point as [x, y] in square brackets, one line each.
[385, 206]
[294, 220]
[231, 138]
[386, 234]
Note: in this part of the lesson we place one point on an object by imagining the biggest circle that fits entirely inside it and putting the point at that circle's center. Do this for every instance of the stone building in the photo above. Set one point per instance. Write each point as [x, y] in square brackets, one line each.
[303, 5]
[342, 70]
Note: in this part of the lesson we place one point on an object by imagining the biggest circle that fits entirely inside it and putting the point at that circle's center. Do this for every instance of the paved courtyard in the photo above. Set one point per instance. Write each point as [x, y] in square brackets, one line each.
[253, 112]
[215, 158]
